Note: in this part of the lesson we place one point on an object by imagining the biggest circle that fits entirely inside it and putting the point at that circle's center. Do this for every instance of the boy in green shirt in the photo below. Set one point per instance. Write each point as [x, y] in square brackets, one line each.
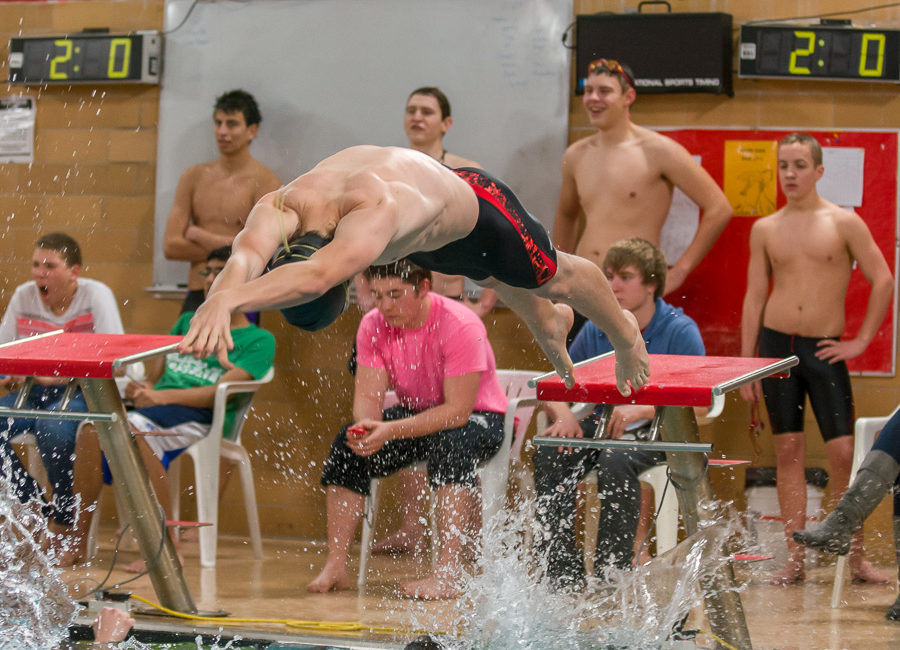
[179, 402]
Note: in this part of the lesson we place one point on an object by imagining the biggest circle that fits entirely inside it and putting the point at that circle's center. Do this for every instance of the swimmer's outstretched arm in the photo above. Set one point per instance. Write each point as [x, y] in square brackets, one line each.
[210, 331]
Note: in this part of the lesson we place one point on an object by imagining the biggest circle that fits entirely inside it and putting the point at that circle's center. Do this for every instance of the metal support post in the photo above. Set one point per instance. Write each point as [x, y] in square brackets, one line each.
[136, 495]
[688, 472]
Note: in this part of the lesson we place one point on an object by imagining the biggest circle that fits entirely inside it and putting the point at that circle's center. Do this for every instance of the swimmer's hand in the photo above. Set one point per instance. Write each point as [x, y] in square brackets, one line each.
[632, 362]
[210, 331]
[834, 351]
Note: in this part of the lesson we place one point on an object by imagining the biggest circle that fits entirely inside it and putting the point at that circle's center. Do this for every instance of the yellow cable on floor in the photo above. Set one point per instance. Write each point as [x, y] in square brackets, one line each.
[321, 626]
[330, 626]
[720, 641]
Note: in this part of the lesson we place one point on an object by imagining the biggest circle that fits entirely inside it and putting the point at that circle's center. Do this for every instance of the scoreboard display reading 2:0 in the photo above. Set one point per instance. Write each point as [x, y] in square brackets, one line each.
[820, 52]
[86, 58]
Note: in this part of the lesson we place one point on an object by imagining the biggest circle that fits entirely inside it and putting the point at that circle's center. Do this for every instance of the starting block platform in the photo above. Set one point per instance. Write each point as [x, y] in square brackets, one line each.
[90, 361]
[675, 380]
[677, 385]
[59, 354]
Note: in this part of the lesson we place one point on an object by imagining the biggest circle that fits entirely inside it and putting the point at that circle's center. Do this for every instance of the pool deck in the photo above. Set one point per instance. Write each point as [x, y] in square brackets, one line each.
[797, 616]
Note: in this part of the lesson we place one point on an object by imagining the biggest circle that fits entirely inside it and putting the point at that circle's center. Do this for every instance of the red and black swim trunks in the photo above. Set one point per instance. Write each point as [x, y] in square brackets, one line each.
[507, 243]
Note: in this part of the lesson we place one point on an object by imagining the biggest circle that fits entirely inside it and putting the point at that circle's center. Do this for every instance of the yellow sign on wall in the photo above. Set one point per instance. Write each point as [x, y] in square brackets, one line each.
[750, 181]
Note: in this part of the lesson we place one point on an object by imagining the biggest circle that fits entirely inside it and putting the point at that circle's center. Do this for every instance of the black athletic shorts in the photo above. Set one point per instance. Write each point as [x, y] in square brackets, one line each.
[827, 384]
[451, 455]
[507, 242]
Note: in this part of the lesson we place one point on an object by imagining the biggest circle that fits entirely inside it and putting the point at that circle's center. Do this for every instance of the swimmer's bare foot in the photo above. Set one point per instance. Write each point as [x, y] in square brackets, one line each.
[632, 362]
[794, 572]
[331, 578]
[402, 541]
[864, 571]
[438, 586]
[553, 343]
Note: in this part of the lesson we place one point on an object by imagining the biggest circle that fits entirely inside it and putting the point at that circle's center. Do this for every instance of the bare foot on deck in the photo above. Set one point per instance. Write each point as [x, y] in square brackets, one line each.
[864, 571]
[331, 578]
[401, 541]
[793, 573]
[632, 364]
[437, 586]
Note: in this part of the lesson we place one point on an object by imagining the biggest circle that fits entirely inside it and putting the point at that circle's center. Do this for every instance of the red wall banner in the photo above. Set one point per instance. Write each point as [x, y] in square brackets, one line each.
[713, 293]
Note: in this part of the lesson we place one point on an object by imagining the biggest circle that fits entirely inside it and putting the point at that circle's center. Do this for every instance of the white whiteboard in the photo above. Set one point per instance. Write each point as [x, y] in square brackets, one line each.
[329, 74]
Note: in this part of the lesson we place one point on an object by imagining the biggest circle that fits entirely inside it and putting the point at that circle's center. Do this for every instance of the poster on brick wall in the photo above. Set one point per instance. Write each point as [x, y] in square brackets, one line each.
[860, 174]
[17, 129]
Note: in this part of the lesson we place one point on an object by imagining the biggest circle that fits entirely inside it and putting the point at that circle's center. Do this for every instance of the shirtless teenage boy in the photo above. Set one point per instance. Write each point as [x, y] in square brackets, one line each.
[807, 249]
[622, 178]
[426, 120]
[382, 204]
[213, 199]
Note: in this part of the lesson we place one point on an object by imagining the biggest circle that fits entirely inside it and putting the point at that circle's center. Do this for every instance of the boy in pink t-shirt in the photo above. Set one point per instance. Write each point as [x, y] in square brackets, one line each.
[435, 354]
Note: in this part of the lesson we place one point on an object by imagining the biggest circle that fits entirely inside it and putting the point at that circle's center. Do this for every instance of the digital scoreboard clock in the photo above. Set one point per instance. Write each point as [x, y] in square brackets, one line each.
[842, 53]
[86, 58]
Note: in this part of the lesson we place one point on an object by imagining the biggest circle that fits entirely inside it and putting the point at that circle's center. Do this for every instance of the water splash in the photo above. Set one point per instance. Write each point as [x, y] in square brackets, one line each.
[509, 605]
[35, 608]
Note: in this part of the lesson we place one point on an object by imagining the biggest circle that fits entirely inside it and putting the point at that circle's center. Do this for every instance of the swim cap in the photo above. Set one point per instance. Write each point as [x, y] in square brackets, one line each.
[324, 310]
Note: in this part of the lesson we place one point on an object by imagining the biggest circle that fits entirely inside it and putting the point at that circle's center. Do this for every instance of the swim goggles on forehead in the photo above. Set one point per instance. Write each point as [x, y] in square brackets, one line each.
[610, 66]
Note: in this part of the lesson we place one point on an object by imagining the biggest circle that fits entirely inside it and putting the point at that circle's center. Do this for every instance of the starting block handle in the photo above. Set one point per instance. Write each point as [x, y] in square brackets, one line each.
[32, 338]
[646, 445]
[533, 382]
[141, 356]
[750, 377]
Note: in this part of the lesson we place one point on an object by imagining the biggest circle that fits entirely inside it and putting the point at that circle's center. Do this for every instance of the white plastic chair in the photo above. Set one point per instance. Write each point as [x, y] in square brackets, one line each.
[864, 434]
[493, 474]
[206, 454]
